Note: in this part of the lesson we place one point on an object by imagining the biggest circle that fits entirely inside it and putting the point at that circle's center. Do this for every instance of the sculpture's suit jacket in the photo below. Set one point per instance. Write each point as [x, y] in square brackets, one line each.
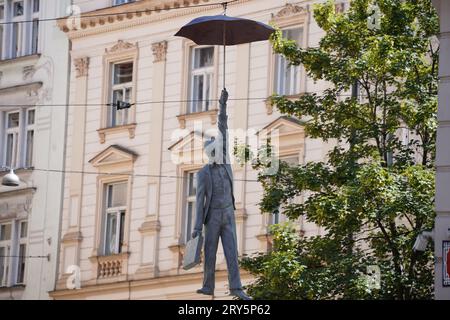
[204, 180]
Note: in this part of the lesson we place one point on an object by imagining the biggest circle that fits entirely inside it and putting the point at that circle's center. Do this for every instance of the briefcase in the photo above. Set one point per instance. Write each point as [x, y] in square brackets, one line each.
[193, 252]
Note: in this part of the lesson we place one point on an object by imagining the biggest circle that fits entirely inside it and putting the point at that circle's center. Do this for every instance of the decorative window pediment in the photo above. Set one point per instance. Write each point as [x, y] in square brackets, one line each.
[113, 155]
[287, 135]
[189, 149]
[120, 47]
[188, 140]
[284, 125]
[289, 14]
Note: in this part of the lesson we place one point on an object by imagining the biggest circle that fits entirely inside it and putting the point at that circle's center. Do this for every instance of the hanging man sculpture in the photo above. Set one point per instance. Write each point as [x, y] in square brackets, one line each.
[215, 209]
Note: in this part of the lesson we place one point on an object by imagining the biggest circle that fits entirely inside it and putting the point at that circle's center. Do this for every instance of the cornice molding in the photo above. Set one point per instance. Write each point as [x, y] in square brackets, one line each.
[111, 19]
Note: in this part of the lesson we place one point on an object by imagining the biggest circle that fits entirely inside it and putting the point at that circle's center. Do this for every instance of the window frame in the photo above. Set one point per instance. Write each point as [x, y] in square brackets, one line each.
[180, 232]
[8, 245]
[28, 161]
[27, 32]
[16, 134]
[296, 72]
[21, 131]
[3, 28]
[21, 241]
[187, 199]
[16, 21]
[35, 29]
[114, 87]
[13, 244]
[120, 213]
[280, 217]
[186, 79]
[201, 71]
[286, 21]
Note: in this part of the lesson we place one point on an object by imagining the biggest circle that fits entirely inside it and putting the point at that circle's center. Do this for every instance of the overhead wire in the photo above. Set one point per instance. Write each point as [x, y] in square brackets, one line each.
[146, 102]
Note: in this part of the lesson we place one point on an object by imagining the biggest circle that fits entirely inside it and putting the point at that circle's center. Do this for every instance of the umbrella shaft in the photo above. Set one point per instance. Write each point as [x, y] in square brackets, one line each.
[224, 52]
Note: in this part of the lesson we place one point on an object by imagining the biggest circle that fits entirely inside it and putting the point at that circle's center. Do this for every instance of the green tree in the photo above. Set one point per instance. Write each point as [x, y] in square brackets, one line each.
[374, 193]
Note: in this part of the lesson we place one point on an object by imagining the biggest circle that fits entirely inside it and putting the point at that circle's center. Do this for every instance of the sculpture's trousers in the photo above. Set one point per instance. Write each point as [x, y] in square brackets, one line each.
[221, 223]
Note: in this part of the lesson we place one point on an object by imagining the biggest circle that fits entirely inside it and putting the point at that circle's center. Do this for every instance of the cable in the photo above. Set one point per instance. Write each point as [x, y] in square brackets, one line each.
[263, 99]
[119, 13]
[29, 257]
[136, 175]
[108, 104]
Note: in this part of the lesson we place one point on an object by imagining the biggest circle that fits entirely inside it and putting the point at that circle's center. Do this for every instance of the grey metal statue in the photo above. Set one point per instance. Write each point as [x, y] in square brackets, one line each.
[215, 207]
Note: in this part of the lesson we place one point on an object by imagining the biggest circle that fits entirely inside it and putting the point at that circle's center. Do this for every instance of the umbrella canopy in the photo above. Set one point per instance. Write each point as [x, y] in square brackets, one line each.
[225, 30]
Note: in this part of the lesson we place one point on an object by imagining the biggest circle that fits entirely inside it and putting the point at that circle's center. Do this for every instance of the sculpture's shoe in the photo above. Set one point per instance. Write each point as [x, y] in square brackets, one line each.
[240, 294]
[205, 291]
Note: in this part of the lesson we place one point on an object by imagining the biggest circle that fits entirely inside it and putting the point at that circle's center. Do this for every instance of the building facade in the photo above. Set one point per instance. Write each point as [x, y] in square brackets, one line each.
[33, 93]
[129, 189]
[442, 224]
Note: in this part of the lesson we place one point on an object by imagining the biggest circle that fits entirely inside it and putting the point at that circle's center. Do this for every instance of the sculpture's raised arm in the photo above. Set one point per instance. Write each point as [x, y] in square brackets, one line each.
[223, 124]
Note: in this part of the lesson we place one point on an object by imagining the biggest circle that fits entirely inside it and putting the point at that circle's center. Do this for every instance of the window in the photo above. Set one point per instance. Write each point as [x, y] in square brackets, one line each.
[29, 145]
[1, 39]
[287, 77]
[34, 41]
[19, 31]
[35, 36]
[36, 5]
[201, 79]
[12, 139]
[13, 245]
[22, 232]
[16, 40]
[189, 191]
[121, 90]
[18, 8]
[405, 136]
[119, 2]
[2, 20]
[18, 138]
[5, 253]
[115, 204]
[278, 216]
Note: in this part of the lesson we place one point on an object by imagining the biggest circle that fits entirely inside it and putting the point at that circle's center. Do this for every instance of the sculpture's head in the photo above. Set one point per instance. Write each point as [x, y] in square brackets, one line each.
[210, 149]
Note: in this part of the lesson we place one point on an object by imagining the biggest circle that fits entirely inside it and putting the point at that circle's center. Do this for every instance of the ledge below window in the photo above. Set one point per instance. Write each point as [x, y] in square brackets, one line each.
[131, 128]
[26, 58]
[110, 267]
[212, 114]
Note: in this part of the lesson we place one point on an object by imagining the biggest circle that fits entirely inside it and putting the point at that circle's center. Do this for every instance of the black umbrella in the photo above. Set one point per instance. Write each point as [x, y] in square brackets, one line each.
[226, 31]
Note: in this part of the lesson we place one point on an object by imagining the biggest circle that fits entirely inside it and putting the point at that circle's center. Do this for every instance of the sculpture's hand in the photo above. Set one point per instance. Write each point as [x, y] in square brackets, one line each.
[223, 97]
[196, 233]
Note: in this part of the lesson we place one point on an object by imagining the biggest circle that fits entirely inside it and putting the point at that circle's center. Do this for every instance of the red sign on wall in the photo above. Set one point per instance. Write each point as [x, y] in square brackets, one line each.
[446, 263]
